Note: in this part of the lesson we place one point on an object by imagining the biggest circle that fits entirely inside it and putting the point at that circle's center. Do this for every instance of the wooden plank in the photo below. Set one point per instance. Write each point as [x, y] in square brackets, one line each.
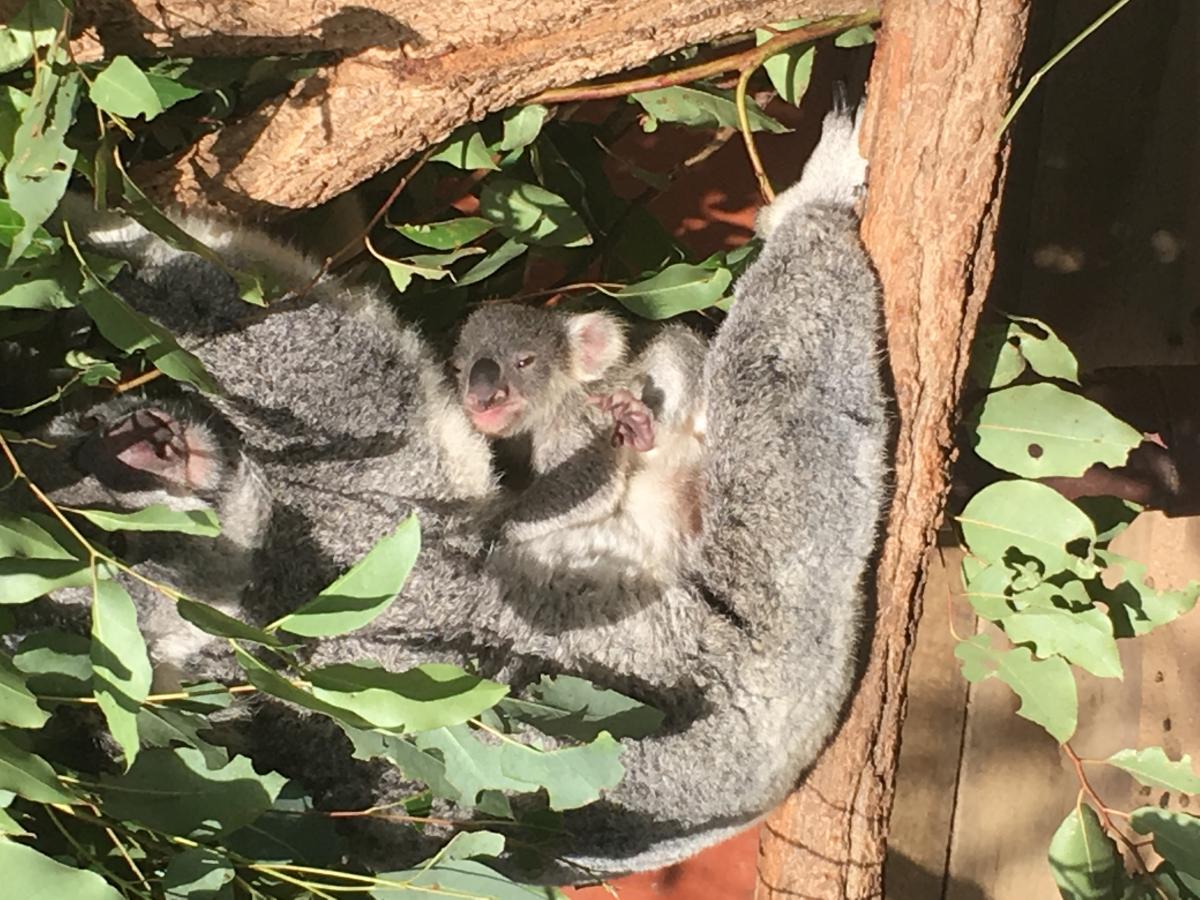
[931, 741]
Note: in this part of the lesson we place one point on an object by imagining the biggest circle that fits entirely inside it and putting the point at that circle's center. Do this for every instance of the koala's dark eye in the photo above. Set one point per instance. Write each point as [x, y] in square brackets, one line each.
[525, 360]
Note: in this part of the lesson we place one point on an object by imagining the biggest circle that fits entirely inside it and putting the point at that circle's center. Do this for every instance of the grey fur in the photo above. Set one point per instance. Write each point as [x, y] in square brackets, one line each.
[343, 415]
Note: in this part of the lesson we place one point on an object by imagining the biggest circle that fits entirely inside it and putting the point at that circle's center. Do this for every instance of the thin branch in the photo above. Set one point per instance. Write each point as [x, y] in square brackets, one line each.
[750, 58]
[1054, 61]
[764, 185]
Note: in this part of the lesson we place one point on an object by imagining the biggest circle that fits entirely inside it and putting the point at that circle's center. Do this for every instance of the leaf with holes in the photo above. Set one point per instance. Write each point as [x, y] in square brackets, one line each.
[1046, 687]
[1043, 349]
[1153, 768]
[1035, 520]
[1040, 430]
[1083, 637]
[34, 25]
[1135, 605]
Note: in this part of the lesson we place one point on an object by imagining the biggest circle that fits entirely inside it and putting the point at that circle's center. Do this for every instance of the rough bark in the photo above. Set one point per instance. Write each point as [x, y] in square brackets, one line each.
[412, 73]
[939, 86]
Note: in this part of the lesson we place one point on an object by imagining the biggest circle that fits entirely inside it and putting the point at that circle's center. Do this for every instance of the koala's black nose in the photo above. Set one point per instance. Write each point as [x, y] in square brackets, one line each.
[484, 389]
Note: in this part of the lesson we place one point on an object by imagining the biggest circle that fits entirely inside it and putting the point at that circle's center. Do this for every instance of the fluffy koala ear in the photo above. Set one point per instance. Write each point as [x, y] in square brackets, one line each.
[597, 342]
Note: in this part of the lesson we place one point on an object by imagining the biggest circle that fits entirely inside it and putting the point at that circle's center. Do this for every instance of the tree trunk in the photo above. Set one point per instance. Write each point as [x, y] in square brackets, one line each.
[411, 74]
[939, 87]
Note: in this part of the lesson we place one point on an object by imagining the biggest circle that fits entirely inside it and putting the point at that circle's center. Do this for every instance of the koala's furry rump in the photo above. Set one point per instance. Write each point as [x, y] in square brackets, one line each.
[337, 421]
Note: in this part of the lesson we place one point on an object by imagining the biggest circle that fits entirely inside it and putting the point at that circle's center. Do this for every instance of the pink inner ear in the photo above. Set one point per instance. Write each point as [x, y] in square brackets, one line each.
[598, 344]
[149, 440]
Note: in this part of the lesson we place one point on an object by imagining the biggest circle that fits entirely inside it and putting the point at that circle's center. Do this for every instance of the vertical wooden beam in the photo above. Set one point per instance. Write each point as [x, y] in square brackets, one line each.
[940, 84]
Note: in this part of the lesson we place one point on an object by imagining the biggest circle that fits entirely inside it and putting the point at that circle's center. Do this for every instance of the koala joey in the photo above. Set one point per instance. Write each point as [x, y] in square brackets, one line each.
[612, 482]
[335, 421]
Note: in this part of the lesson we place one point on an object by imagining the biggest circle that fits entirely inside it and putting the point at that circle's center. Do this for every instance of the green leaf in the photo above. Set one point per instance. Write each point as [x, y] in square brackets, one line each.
[855, 37]
[20, 536]
[271, 682]
[521, 125]
[1134, 605]
[567, 706]
[676, 289]
[120, 667]
[40, 165]
[92, 371]
[18, 706]
[201, 522]
[702, 108]
[1035, 519]
[365, 591]
[467, 844]
[41, 283]
[1040, 430]
[1083, 637]
[169, 90]
[175, 791]
[22, 580]
[431, 696]
[465, 149]
[42, 878]
[1043, 349]
[428, 266]
[197, 873]
[130, 331]
[531, 214]
[988, 592]
[448, 235]
[573, 776]
[1176, 837]
[1046, 687]
[290, 831]
[1112, 515]
[57, 663]
[31, 27]
[493, 262]
[29, 776]
[1153, 768]
[457, 878]
[124, 90]
[167, 726]
[1084, 859]
[212, 621]
[791, 69]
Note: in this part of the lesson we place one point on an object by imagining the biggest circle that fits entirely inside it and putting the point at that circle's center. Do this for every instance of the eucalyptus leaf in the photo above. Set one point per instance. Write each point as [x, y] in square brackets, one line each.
[855, 37]
[676, 289]
[175, 791]
[121, 671]
[39, 168]
[34, 25]
[365, 591]
[18, 705]
[789, 70]
[988, 592]
[211, 620]
[124, 90]
[1153, 768]
[20, 536]
[197, 873]
[531, 214]
[702, 108]
[22, 580]
[1046, 687]
[1084, 859]
[1083, 637]
[1176, 836]
[464, 878]
[465, 149]
[1034, 519]
[201, 522]
[1044, 350]
[1133, 604]
[572, 707]
[522, 125]
[1040, 430]
[493, 262]
[431, 696]
[29, 776]
[41, 878]
[56, 662]
[448, 235]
